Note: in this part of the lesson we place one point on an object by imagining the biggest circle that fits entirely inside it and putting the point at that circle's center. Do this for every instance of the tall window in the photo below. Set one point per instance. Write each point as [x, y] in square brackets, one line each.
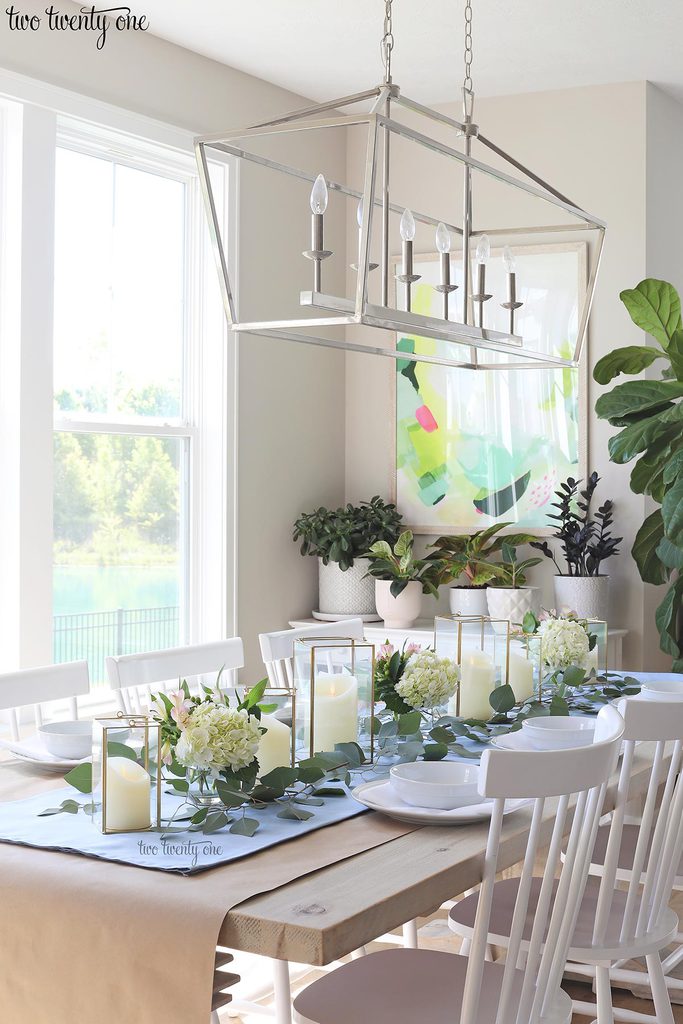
[141, 393]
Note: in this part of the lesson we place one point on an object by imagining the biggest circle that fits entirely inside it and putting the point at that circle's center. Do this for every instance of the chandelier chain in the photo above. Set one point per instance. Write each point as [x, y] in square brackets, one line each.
[467, 84]
[387, 44]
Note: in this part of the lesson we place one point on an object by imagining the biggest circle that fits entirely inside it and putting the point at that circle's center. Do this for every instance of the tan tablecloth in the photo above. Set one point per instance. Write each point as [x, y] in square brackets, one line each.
[85, 940]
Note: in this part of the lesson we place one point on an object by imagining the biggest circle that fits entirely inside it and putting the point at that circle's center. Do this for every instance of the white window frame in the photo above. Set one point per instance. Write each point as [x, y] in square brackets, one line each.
[50, 117]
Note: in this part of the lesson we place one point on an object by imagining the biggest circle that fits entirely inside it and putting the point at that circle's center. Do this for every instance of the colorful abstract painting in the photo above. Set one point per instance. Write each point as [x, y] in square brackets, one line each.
[474, 447]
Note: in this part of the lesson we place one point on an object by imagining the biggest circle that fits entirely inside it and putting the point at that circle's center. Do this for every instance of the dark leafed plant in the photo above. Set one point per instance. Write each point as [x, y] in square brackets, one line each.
[586, 541]
[347, 532]
[649, 414]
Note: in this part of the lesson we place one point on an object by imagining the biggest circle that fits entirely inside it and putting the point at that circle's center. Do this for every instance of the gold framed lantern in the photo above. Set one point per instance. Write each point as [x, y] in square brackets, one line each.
[334, 679]
[540, 652]
[480, 646]
[126, 774]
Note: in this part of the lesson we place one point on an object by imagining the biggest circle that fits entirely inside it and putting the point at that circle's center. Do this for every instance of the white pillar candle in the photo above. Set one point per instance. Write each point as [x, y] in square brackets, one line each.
[275, 748]
[521, 676]
[477, 679]
[335, 714]
[128, 795]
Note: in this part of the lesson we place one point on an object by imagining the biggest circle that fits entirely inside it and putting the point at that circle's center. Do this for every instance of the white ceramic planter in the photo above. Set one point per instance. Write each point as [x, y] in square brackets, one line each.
[588, 596]
[398, 612]
[468, 601]
[504, 603]
[346, 592]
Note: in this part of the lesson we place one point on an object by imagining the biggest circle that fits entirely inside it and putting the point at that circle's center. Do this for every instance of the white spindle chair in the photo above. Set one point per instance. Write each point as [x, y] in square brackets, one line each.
[615, 925]
[439, 988]
[40, 686]
[134, 677]
[277, 649]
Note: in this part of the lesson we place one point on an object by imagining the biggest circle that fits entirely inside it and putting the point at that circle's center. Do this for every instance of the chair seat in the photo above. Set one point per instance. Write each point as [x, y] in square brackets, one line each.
[462, 915]
[399, 986]
[627, 852]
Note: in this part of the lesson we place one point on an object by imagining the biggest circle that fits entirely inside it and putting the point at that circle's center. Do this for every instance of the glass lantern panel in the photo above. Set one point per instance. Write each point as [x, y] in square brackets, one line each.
[334, 683]
[277, 746]
[126, 792]
[480, 646]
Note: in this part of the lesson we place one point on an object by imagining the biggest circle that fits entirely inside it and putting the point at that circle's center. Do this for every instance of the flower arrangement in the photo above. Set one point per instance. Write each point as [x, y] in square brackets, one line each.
[565, 641]
[428, 681]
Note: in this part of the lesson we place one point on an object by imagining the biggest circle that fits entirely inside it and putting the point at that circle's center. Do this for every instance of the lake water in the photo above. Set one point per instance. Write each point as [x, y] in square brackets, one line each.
[93, 588]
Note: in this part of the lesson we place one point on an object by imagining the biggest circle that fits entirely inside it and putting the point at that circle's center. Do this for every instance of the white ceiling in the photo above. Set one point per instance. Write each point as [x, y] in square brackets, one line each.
[327, 48]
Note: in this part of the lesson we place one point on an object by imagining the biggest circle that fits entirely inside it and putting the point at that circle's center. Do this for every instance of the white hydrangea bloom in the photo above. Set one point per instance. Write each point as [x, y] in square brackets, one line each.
[564, 642]
[428, 680]
[216, 736]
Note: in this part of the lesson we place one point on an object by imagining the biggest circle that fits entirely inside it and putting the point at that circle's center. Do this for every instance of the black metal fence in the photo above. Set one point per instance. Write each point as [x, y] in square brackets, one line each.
[95, 635]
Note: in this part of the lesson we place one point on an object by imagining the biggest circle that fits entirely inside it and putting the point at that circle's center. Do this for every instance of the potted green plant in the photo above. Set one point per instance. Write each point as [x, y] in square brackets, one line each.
[650, 415]
[466, 557]
[586, 543]
[507, 594]
[340, 539]
[401, 579]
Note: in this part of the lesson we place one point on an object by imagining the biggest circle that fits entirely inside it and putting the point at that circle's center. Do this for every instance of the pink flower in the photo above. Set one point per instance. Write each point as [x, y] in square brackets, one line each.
[412, 649]
[386, 650]
[166, 753]
[180, 712]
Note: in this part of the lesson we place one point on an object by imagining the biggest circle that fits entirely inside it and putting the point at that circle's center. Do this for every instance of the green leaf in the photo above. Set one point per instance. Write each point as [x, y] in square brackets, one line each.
[631, 359]
[573, 676]
[675, 353]
[637, 396]
[280, 778]
[666, 618]
[670, 555]
[674, 467]
[199, 817]
[254, 695]
[80, 778]
[353, 754]
[310, 775]
[655, 307]
[411, 750]
[382, 550]
[333, 791]
[215, 821]
[293, 813]
[435, 751]
[558, 706]
[245, 827]
[635, 438]
[441, 735]
[179, 785]
[645, 546]
[409, 724]
[177, 769]
[530, 623]
[672, 513]
[502, 699]
[228, 796]
[115, 749]
[404, 544]
[647, 476]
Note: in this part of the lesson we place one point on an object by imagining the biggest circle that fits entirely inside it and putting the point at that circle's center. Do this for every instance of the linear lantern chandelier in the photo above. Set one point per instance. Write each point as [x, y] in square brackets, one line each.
[382, 301]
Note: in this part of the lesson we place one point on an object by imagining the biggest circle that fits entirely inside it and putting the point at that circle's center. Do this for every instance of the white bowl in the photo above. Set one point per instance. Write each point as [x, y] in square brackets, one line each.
[72, 740]
[443, 785]
[558, 733]
[663, 689]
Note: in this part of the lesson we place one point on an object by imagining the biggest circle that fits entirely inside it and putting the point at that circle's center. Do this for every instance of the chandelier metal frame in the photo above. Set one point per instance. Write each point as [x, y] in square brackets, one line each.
[341, 311]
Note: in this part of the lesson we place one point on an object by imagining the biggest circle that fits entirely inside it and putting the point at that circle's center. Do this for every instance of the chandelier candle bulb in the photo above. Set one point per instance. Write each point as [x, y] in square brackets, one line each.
[128, 795]
[335, 714]
[477, 680]
[407, 229]
[317, 252]
[443, 244]
[521, 676]
[511, 304]
[275, 748]
[482, 255]
[359, 220]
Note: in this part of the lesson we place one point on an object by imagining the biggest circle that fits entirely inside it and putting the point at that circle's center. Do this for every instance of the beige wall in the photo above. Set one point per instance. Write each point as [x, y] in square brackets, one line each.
[291, 397]
[591, 144]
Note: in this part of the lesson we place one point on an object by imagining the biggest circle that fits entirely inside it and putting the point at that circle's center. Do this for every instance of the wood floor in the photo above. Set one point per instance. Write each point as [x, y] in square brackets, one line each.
[435, 934]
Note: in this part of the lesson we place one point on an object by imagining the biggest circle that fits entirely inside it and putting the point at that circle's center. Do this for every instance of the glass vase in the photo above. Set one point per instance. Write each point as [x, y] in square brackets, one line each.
[202, 789]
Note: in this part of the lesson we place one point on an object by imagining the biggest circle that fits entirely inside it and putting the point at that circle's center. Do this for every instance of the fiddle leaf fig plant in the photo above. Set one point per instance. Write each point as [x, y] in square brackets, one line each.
[649, 414]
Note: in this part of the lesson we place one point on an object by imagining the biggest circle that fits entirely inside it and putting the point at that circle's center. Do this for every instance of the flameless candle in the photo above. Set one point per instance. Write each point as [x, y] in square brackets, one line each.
[275, 748]
[128, 795]
[335, 710]
[477, 679]
[521, 676]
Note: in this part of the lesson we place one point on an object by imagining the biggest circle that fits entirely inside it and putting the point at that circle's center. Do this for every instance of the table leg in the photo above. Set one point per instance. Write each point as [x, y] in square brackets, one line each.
[283, 995]
[410, 935]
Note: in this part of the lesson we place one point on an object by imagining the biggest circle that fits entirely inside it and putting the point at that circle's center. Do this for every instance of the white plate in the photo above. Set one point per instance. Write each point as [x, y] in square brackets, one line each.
[32, 751]
[330, 617]
[378, 796]
[518, 741]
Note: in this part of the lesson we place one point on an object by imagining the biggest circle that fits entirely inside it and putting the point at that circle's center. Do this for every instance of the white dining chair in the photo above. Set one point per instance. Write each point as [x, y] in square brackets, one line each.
[134, 677]
[616, 924]
[40, 688]
[435, 987]
[277, 649]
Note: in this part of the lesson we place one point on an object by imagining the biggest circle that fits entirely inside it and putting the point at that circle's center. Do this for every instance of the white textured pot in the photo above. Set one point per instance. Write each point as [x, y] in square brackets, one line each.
[468, 600]
[402, 611]
[588, 596]
[506, 603]
[346, 591]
